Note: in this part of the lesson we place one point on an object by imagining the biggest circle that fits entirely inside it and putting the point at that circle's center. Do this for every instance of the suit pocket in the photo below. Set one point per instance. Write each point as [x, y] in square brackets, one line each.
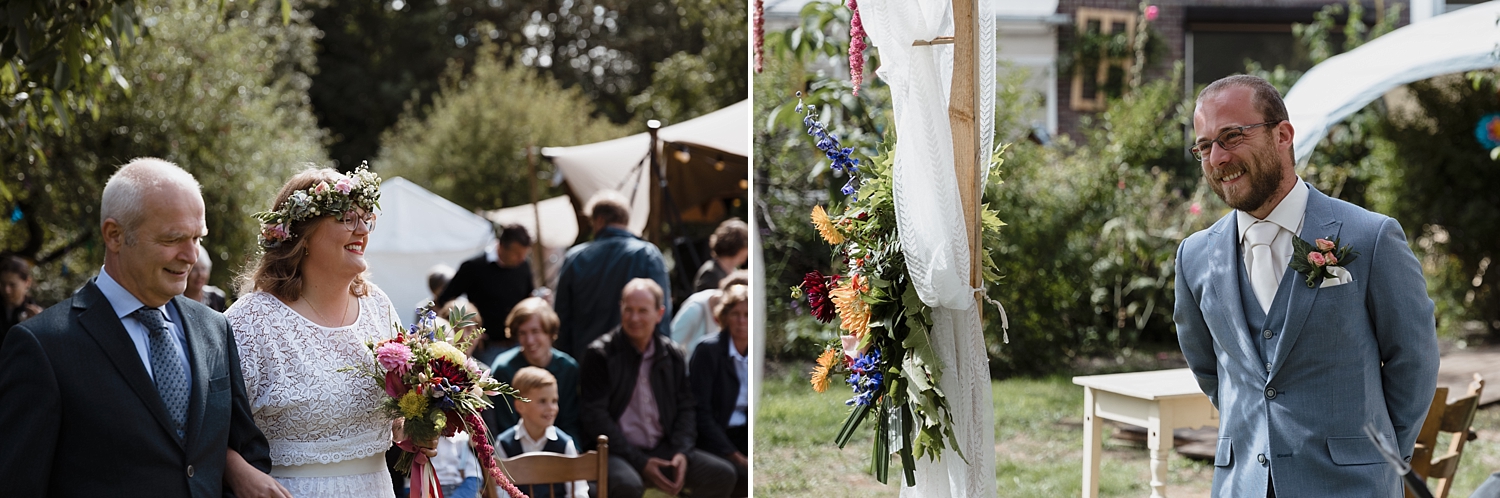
[1224, 454]
[1358, 450]
[218, 384]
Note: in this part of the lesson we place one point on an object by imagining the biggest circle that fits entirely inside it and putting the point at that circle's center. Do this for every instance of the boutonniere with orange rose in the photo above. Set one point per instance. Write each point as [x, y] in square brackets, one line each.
[1314, 259]
[884, 354]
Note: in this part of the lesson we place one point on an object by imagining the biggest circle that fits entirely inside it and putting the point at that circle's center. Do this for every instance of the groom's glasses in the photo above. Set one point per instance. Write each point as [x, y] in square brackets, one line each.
[1228, 140]
[354, 219]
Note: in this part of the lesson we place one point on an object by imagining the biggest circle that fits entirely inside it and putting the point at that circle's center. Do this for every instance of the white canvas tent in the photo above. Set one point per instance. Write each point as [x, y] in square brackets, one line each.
[1462, 40]
[418, 229]
[621, 164]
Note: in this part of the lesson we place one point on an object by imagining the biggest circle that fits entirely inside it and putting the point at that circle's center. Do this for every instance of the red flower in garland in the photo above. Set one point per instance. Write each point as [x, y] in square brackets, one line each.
[815, 287]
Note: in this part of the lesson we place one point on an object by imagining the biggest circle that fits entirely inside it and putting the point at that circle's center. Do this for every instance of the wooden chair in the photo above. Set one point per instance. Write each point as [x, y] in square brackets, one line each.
[1454, 418]
[532, 469]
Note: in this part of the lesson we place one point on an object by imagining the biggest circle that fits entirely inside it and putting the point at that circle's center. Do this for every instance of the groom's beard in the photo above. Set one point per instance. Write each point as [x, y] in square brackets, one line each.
[1263, 174]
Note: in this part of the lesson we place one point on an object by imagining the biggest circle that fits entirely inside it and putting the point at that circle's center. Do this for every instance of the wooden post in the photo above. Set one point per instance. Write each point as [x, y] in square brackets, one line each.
[538, 252]
[652, 232]
[963, 105]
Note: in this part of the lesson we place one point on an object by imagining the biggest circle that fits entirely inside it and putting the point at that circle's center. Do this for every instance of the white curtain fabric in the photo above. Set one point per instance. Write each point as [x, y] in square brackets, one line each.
[930, 219]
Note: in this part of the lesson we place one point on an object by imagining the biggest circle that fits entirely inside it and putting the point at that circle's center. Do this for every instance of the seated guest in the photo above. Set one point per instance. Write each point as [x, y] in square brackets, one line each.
[437, 278]
[15, 289]
[635, 390]
[728, 245]
[533, 324]
[695, 319]
[722, 388]
[197, 284]
[535, 431]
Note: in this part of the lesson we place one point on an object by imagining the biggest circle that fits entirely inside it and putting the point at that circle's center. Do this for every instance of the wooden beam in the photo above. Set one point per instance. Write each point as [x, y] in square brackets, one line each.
[963, 106]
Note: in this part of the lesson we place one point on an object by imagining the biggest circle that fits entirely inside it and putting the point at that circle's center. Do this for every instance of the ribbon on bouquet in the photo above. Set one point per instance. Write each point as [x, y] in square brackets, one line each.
[424, 481]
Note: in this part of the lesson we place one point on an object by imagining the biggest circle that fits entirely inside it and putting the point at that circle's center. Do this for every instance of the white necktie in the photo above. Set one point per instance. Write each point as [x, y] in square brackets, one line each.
[1263, 270]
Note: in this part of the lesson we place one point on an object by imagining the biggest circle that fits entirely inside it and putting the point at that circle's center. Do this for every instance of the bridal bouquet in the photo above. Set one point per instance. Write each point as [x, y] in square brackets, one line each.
[438, 390]
[884, 353]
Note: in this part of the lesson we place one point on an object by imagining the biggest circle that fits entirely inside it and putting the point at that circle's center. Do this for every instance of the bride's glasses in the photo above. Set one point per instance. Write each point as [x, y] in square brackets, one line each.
[1228, 140]
[354, 219]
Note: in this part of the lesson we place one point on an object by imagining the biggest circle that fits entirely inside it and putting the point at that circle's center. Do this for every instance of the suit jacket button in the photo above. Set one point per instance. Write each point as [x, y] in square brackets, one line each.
[1270, 393]
[190, 471]
[1266, 334]
[1261, 458]
[1268, 366]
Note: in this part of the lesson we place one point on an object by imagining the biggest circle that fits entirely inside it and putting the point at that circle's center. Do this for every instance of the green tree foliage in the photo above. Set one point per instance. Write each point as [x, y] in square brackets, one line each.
[375, 56]
[57, 62]
[206, 94]
[1439, 181]
[471, 145]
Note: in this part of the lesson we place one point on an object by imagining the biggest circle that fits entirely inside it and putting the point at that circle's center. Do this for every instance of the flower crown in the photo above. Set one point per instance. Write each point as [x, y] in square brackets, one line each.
[360, 189]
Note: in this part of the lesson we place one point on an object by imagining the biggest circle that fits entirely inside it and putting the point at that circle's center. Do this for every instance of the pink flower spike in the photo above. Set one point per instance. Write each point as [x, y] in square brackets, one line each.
[760, 34]
[1332, 260]
[1316, 258]
[856, 47]
[1151, 13]
[1324, 245]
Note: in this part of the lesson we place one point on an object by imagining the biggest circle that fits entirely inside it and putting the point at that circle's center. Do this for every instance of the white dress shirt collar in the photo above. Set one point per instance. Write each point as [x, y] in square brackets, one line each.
[527, 443]
[1288, 214]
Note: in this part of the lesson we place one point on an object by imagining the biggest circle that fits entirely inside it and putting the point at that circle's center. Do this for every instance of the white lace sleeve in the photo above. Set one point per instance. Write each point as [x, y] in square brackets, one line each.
[310, 411]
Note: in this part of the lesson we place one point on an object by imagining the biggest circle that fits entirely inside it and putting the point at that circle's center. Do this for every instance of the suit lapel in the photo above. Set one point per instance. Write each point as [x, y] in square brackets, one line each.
[199, 348]
[1317, 223]
[98, 319]
[1224, 281]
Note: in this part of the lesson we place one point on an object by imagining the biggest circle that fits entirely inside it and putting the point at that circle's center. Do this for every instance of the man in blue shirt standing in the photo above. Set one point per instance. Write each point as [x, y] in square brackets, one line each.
[588, 290]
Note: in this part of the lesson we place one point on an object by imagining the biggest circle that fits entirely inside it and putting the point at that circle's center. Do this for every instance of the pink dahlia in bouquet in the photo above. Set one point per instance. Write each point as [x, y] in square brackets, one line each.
[437, 390]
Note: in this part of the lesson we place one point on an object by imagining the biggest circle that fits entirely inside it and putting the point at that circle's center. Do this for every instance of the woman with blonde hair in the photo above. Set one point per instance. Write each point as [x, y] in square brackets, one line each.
[306, 314]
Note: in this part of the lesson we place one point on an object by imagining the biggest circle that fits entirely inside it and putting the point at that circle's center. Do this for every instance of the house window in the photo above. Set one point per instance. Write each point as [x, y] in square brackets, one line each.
[1098, 30]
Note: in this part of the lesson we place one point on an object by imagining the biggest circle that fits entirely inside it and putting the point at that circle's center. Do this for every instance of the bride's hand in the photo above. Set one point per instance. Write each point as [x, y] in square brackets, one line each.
[248, 481]
[398, 433]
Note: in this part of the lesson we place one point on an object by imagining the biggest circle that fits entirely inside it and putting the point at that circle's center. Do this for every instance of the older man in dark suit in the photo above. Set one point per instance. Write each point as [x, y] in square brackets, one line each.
[127, 388]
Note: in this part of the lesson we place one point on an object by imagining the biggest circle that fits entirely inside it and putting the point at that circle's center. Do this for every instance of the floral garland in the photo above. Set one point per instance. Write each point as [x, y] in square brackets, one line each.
[884, 352]
[360, 189]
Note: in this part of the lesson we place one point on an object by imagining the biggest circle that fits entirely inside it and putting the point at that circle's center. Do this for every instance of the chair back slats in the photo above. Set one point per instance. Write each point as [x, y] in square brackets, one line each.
[537, 470]
[1455, 419]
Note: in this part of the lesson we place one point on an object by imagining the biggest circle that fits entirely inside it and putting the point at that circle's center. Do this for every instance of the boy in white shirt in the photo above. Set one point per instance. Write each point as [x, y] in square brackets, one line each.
[535, 431]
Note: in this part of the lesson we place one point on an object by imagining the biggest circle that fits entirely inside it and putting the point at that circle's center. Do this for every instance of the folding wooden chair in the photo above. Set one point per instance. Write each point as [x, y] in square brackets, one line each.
[534, 469]
[1454, 418]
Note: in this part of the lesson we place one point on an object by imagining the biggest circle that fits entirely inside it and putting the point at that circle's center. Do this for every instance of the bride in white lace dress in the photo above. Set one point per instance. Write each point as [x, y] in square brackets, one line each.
[309, 316]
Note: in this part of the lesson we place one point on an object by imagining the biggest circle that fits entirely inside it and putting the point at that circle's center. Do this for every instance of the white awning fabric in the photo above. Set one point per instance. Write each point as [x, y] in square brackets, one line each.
[1462, 40]
[417, 230]
[620, 164]
[559, 221]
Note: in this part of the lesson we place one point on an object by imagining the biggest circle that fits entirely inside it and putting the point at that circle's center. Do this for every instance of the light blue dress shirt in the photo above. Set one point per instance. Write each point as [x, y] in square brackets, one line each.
[124, 304]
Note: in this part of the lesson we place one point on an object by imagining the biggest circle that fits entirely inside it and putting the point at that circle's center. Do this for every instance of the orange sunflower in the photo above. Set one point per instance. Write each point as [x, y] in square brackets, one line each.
[826, 362]
[825, 226]
[851, 308]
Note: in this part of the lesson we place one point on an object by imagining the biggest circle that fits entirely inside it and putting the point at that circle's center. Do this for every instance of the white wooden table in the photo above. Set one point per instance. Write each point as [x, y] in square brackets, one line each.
[1160, 401]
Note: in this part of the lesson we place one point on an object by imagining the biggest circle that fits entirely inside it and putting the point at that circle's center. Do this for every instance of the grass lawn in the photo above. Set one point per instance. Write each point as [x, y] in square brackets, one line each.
[1038, 446]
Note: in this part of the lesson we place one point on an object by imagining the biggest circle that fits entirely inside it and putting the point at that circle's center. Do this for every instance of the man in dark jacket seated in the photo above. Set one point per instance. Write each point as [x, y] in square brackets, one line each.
[719, 371]
[636, 391]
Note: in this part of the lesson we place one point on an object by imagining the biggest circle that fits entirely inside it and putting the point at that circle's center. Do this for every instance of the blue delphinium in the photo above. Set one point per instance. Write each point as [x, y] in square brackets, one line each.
[866, 379]
[841, 157]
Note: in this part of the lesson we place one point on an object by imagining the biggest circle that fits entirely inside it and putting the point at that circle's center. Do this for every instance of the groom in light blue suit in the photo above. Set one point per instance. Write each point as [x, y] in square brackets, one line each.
[1297, 371]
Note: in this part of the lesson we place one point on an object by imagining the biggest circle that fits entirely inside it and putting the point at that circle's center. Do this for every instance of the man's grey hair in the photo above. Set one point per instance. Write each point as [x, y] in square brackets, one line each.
[126, 191]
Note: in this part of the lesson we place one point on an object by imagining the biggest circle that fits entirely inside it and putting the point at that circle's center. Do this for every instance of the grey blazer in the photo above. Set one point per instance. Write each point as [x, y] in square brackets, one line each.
[80, 416]
[1362, 352]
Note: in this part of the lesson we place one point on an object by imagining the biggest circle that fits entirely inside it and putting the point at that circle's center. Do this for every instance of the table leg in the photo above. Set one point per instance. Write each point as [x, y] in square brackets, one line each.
[1159, 441]
[1093, 428]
